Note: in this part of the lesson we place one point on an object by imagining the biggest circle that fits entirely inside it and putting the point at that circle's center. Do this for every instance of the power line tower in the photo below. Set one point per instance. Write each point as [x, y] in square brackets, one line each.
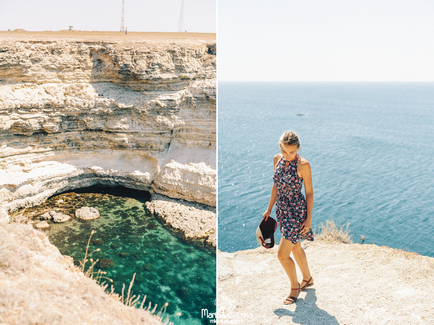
[122, 18]
[181, 27]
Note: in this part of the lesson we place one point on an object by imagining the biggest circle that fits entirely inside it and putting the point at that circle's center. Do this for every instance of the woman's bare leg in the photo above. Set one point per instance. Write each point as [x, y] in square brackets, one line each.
[300, 258]
[285, 248]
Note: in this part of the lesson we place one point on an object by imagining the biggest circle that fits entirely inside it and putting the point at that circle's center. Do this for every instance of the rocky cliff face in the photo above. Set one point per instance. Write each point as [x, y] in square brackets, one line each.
[80, 113]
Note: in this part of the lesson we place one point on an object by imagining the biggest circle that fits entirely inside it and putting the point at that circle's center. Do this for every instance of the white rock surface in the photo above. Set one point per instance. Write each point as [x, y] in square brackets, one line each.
[353, 284]
[4, 216]
[46, 216]
[75, 114]
[42, 225]
[60, 217]
[87, 213]
[193, 220]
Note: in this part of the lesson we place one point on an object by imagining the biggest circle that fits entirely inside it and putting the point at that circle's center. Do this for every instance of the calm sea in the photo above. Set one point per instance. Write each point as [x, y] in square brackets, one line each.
[370, 146]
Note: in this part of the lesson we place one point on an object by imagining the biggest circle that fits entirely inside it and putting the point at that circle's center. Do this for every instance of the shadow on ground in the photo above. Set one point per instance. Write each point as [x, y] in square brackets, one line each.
[306, 312]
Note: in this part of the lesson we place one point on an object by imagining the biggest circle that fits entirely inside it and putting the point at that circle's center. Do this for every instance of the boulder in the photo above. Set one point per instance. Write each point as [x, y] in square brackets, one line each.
[42, 225]
[46, 216]
[87, 213]
[60, 217]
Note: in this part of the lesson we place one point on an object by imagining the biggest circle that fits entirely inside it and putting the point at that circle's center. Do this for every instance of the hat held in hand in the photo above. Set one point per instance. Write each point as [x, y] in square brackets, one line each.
[265, 232]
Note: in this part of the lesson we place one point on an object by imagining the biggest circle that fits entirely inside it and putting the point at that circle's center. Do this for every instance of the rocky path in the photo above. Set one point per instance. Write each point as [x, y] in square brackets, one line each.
[354, 284]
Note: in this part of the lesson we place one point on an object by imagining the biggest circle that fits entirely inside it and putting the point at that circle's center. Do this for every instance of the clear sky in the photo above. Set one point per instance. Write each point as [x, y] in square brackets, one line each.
[326, 40]
[105, 15]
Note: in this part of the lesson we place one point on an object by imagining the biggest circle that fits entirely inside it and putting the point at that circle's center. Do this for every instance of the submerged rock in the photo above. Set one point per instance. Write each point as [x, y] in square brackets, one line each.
[105, 263]
[75, 238]
[115, 245]
[148, 267]
[87, 213]
[98, 242]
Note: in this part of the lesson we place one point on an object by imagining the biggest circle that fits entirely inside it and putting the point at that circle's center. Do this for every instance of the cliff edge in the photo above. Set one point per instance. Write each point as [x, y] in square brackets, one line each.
[38, 285]
[354, 284]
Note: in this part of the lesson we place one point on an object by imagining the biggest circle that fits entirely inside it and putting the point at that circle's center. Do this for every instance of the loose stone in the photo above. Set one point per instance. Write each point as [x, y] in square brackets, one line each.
[46, 216]
[60, 217]
[42, 225]
[87, 213]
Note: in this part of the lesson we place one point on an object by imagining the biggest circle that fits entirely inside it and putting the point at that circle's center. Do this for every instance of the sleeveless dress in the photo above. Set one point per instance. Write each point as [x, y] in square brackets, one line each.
[291, 208]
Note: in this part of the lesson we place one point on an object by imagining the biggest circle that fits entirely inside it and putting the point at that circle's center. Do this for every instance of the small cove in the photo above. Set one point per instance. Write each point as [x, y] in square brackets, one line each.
[130, 240]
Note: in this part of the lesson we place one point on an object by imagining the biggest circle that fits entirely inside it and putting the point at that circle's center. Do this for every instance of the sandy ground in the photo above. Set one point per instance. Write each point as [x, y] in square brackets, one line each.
[106, 36]
[354, 284]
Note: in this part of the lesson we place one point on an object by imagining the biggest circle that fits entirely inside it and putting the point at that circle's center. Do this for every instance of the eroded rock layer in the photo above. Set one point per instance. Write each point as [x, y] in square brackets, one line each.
[80, 113]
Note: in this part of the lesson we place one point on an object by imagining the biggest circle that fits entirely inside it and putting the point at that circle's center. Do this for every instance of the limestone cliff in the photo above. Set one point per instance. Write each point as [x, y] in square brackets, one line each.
[75, 113]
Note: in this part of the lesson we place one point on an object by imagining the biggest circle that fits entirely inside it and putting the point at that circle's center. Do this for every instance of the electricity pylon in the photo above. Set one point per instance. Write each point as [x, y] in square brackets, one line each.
[181, 27]
[122, 18]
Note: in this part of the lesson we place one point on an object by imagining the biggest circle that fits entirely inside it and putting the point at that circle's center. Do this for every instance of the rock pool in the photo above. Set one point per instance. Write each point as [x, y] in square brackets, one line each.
[167, 268]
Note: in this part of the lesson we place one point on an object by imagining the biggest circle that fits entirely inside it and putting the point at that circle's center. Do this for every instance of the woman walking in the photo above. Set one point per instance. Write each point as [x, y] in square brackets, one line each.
[293, 210]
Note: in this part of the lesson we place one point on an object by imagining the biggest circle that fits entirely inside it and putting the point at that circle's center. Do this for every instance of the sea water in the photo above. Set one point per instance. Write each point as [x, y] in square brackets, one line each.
[131, 241]
[370, 147]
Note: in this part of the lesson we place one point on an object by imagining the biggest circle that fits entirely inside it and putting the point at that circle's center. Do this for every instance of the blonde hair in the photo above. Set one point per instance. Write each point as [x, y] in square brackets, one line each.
[289, 138]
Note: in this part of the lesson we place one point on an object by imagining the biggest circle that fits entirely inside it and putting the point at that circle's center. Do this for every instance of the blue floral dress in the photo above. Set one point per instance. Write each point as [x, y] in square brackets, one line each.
[291, 208]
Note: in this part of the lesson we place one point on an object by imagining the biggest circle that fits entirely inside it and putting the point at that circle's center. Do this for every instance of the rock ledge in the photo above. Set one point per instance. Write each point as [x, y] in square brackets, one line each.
[354, 284]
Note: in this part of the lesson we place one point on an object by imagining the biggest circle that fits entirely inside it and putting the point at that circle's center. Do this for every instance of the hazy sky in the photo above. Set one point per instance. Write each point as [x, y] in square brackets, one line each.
[333, 40]
[105, 15]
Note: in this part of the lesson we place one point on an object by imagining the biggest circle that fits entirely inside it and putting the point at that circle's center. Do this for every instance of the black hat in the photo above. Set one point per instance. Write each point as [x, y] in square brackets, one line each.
[265, 232]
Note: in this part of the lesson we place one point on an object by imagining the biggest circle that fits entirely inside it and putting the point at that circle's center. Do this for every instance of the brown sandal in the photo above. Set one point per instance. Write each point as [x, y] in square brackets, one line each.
[307, 285]
[287, 300]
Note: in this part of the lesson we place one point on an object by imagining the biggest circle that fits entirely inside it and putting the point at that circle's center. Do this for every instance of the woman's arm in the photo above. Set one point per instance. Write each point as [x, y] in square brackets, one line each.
[272, 201]
[273, 193]
[307, 178]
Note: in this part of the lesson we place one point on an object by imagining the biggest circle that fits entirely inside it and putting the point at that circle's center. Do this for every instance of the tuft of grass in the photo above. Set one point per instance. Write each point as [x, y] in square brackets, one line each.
[130, 301]
[330, 233]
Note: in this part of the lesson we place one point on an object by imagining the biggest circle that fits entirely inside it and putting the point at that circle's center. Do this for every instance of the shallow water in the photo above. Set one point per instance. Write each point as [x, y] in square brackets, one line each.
[167, 268]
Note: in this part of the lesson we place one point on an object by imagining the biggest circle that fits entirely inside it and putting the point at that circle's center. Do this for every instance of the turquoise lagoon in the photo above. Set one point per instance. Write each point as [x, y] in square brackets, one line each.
[167, 268]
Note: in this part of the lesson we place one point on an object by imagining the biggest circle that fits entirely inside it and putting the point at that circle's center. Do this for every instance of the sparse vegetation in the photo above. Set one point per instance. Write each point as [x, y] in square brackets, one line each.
[129, 300]
[36, 276]
[330, 233]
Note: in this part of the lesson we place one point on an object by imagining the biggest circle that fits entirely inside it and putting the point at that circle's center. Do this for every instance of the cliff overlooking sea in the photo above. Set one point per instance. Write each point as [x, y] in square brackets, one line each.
[354, 284]
[84, 109]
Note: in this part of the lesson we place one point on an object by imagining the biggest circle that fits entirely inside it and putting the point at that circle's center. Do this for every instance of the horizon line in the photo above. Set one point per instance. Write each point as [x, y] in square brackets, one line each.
[340, 81]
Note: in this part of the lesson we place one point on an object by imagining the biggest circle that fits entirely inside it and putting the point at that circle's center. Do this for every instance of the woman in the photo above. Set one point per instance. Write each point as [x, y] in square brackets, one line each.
[293, 211]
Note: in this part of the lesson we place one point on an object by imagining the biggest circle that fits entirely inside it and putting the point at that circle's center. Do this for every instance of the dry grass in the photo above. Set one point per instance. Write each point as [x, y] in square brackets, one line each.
[130, 301]
[330, 233]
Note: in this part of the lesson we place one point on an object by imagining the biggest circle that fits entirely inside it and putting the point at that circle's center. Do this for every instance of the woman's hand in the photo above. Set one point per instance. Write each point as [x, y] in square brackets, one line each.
[305, 227]
[266, 214]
